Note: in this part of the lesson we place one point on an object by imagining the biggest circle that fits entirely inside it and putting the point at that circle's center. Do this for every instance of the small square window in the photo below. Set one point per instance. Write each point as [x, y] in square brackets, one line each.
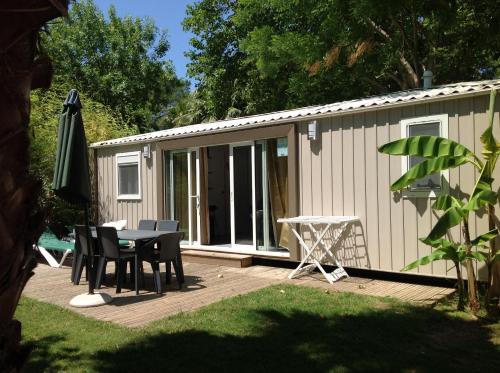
[128, 182]
[128, 171]
[435, 125]
[424, 129]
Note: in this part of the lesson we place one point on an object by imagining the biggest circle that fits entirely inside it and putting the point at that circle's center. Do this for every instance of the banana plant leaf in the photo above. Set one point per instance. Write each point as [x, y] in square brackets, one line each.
[483, 193]
[485, 180]
[446, 201]
[490, 145]
[427, 167]
[484, 238]
[451, 217]
[456, 213]
[443, 253]
[480, 256]
[427, 147]
[481, 199]
[441, 242]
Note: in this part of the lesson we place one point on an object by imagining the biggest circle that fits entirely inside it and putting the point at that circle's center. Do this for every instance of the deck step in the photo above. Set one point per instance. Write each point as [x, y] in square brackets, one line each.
[217, 258]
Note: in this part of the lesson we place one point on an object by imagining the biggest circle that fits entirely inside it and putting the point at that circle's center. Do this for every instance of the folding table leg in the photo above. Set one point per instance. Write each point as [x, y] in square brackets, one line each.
[325, 274]
[304, 259]
[309, 251]
[339, 272]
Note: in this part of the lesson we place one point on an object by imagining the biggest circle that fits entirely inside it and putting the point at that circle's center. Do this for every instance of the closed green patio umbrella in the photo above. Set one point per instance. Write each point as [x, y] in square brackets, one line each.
[72, 179]
[71, 172]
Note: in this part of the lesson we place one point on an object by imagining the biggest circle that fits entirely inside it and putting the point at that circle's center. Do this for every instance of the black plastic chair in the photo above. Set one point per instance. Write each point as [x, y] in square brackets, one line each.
[147, 225]
[168, 225]
[82, 252]
[110, 250]
[169, 252]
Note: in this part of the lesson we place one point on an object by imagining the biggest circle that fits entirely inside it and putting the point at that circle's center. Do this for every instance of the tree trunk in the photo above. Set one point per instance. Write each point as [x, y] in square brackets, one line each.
[471, 276]
[409, 74]
[21, 220]
[461, 291]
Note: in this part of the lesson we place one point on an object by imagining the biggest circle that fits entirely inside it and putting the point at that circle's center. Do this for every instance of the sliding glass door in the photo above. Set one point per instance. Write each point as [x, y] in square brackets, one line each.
[259, 194]
[185, 191]
[237, 205]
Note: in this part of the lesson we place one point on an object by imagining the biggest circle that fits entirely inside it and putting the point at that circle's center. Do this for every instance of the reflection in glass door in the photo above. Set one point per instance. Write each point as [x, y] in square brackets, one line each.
[242, 181]
[263, 211]
[261, 196]
[184, 192]
[179, 190]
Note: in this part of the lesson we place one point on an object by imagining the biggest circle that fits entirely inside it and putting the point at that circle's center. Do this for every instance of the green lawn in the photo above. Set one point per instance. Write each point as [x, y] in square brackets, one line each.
[277, 329]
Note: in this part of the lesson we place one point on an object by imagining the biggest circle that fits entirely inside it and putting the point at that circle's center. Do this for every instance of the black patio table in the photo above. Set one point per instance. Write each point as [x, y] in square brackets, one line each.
[139, 237]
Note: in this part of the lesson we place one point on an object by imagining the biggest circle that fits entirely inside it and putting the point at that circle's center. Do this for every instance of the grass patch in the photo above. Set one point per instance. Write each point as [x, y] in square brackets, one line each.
[280, 328]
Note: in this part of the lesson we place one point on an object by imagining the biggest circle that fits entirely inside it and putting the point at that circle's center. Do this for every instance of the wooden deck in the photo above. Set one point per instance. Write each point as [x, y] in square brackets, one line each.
[205, 284]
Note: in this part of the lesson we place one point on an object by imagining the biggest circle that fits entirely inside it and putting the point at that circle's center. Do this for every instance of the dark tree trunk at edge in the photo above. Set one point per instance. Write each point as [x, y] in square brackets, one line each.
[21, 220]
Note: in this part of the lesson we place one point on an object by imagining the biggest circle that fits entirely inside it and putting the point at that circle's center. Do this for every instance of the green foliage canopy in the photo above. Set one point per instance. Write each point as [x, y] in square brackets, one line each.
[119, 62]
[254, 56]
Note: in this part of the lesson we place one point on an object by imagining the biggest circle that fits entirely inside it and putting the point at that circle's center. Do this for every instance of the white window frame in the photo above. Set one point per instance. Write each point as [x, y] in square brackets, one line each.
[117, 163]
[442, 119]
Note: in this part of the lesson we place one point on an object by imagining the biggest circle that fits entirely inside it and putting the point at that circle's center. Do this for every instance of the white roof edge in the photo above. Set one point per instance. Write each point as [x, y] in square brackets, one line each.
[442, 92]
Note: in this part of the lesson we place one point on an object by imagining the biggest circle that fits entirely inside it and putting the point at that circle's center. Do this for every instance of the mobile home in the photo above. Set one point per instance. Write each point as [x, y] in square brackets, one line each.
[227, 182]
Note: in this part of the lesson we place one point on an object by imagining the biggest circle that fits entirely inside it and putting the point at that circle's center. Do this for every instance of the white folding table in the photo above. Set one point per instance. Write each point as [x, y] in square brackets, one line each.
[319, 249]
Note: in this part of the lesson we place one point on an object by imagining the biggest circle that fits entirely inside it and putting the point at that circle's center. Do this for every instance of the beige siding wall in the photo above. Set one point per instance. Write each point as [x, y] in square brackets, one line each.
[343, 174]
[131, 210]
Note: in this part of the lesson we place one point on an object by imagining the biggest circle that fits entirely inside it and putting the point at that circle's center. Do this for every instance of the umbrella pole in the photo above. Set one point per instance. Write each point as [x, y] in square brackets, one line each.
[90, 257]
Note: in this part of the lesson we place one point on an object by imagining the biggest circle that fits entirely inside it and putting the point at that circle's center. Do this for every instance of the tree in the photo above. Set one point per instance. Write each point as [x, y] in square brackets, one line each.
[119, 62]
[189, 109]
[262, 55]
[21, 220]
[440, 154]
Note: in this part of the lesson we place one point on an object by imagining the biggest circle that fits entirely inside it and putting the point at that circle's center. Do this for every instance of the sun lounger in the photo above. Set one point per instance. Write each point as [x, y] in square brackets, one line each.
[48, 243]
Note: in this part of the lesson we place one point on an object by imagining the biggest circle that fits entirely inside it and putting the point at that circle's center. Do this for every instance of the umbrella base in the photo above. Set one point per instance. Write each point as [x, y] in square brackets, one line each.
[90, 300]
